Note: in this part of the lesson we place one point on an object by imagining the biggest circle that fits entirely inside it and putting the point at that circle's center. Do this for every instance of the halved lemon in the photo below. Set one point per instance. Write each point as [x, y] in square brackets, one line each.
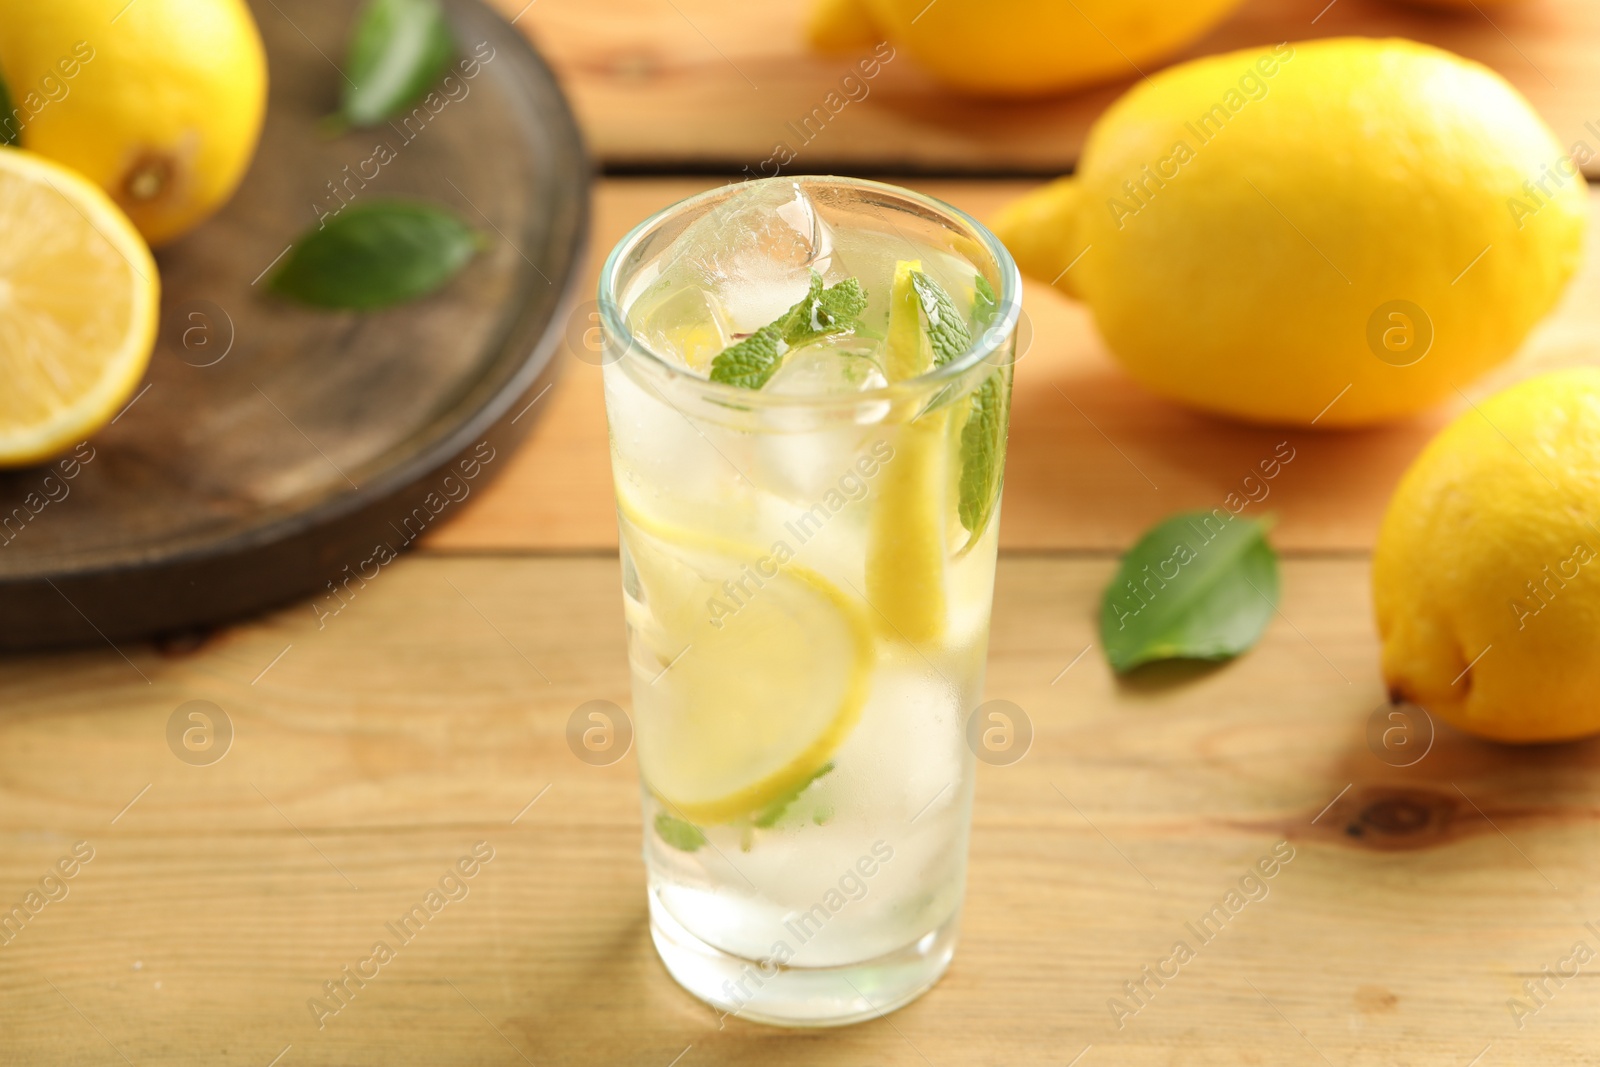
[79, 306]
[753, 670]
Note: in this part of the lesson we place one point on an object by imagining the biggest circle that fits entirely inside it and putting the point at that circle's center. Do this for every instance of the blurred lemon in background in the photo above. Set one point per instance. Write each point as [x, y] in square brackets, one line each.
[1469, 6]
[1018, 47]
[159, 104]
[1486, 577]
[78, 308]
[1358, 223]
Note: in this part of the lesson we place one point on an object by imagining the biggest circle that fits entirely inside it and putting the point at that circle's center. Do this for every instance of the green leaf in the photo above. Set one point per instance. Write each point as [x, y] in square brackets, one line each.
[983, 442]
[985, 305]
[681, 835]
[376, 254]
[1199, 585]
[770, 814]
[10, 132]
[400, 49]
[983, 435]
[824, 311]
[947, 330]
[751, 362]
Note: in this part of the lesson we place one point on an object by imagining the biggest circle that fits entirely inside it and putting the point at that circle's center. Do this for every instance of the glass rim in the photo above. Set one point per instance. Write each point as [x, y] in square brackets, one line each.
[984, 344]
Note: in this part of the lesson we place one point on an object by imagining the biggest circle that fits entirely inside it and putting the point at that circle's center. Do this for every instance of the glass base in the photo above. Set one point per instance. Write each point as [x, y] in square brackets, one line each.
[765, 992]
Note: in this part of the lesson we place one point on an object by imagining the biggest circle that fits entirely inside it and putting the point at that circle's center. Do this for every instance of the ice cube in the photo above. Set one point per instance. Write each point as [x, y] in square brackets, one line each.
[835, 365]
[686, 324]
[755, 252]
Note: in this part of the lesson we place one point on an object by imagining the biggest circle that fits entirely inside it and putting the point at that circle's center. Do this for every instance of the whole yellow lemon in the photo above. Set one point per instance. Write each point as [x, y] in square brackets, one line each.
[1019, 47]
[1467, 6]
[1340, 231]
[1486, 577]
[159, 102]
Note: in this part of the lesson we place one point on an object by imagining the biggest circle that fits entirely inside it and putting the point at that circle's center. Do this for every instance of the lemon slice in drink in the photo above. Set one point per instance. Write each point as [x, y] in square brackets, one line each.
[78, 308]
[906, 555]
[757, 669]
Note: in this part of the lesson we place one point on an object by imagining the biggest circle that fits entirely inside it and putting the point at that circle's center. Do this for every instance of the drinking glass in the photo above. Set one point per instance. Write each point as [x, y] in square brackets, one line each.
[808, 569]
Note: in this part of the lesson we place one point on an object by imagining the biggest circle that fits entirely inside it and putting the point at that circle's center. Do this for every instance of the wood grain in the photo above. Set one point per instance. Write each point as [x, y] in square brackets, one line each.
[375, 745]
[717, 82]
[1094, 458]
[426, 715]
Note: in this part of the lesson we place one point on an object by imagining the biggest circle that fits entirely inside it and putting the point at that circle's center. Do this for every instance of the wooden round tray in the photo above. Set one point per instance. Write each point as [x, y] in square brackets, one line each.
[276, 451]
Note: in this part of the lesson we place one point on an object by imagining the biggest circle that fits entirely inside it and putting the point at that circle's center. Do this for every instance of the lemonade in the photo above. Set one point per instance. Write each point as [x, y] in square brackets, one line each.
[807, 383]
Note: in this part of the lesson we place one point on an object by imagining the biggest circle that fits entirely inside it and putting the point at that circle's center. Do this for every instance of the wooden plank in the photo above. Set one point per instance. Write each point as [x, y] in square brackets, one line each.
[717, 82]
[429, 713]
[1094, 458]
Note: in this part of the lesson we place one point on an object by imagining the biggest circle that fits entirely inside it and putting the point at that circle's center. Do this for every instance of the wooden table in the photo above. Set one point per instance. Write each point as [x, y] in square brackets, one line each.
[374, 748]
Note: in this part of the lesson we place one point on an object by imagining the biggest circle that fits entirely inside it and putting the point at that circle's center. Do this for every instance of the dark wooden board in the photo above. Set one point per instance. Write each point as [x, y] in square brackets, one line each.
[272, 449]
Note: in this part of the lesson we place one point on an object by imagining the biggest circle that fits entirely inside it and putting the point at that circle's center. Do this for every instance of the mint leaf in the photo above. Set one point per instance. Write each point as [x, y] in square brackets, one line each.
[947, 330]
[1199, 585]
[824, 310]
[983, 435]
[982, 455]
[769, 815]
[375, 254]
[985, 305]
[399, 49]
[752, 361]
[681, 835]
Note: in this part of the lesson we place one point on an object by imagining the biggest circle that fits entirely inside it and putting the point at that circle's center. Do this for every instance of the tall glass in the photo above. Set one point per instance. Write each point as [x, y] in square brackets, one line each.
[808, 569]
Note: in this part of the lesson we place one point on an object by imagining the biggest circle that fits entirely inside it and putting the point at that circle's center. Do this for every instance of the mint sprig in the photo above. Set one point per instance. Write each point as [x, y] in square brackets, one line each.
[983, 434]
[985, 304]
[769, 815]
[751, 362]
[947, 330]
[825, 310]
[982, 456]
[679, 833]
[983, 437]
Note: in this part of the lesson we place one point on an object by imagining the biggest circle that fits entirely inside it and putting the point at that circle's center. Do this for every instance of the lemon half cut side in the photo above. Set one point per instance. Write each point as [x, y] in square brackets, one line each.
[79, 307]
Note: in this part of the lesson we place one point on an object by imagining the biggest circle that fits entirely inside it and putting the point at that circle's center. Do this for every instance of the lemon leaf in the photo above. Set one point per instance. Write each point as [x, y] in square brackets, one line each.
[681, 835]
[376, 254]
[1199, 585]
[399, 49]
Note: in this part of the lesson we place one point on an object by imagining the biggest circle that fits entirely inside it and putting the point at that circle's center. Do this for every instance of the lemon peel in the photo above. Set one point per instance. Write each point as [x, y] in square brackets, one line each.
[79, 307]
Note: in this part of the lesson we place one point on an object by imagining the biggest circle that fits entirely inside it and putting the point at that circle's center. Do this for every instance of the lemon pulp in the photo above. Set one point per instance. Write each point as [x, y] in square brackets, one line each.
[78, 308]
[753, 685]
